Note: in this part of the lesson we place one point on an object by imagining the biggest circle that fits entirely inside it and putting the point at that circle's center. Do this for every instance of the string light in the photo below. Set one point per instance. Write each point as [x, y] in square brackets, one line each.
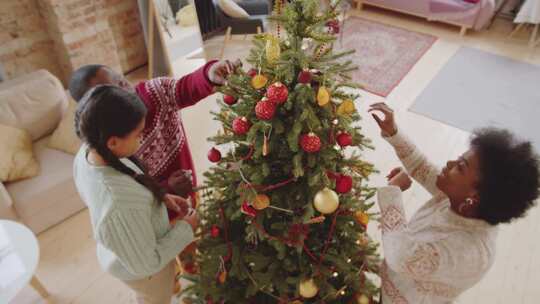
[341, 291]
[335, 274]
[349, 260]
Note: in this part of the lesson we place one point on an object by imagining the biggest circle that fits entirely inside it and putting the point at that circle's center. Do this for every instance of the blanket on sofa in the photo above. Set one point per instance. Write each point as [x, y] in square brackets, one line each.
[455, 10]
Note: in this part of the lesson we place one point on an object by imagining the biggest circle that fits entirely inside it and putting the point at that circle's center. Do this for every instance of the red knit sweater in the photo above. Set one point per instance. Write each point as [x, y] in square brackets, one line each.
[164, 148]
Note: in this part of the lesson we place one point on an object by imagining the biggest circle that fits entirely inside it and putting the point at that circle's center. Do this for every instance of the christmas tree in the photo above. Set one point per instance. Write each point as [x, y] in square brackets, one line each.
[286, 207]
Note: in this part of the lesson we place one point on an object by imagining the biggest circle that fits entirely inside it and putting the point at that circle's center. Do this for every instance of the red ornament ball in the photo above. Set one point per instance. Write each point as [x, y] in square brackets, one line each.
[214, 155]
[344, 139]
[310, 142]
[230, 100]
[265, 110]
[277, 93]
[241, 125]
[252, 73]
[343, 183]
[214, 232]
[248, 210]
[333, 25]
[304, 76]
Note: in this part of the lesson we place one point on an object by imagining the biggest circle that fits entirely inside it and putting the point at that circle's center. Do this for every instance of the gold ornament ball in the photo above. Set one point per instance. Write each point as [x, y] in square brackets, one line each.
[259, 81]
[323, 96]
[222, 277]
[326, 201]
[308, 289]
[361, 299]
[261, 202]
[362, 218]
[346, 108]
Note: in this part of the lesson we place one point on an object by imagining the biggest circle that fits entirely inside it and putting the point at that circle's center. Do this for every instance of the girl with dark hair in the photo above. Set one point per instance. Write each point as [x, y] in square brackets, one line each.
[128, 209]
[449, 244]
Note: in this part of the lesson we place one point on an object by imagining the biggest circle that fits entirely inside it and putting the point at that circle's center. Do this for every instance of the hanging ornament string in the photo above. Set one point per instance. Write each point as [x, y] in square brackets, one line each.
[277, 9]
[249, 154]
[226, 233]
[284, 240]
[342, 29]
[330, 236]
[263, 188]
[328, 239]
[278, 185]
[242, 176]
[261, 288]
[291, 242]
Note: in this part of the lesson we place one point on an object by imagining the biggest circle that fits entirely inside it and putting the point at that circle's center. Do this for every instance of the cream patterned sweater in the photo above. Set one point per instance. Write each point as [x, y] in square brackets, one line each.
[438, 254]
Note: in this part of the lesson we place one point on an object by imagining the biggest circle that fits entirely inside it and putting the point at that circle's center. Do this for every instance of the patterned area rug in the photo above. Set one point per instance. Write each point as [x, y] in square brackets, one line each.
[384, 53]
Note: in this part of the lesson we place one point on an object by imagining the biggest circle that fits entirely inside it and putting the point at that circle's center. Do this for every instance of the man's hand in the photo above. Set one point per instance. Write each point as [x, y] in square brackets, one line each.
[220, 70]
[387, 124]
[181, 183]
[178, 204]
[399, 178]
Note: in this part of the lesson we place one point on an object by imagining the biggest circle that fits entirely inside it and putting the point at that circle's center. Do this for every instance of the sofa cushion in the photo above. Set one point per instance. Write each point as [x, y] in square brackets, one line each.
[34, 102]
[231, 9]
[16, 156]
[64, 137]
[50, 197]
[255, 7]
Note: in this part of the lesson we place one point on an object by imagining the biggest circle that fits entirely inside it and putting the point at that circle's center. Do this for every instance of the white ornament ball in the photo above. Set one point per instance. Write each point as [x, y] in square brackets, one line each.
[308, 289]
[326, 201]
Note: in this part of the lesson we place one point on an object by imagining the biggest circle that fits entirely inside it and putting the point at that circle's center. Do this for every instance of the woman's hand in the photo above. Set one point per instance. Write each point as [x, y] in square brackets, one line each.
[192, 219]
[399, 178]
[387, 124]
[181, 183]
[178, 204]
[393, 173]
[220, 70]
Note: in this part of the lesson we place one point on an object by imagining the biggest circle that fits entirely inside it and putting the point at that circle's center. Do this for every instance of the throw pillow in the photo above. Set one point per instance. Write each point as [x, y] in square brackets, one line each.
[187, 16]
[233, 10]
[17, 159]
[64, 137]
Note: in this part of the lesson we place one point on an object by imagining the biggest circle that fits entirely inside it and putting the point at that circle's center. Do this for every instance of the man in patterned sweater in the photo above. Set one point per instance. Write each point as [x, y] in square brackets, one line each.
[164, 149]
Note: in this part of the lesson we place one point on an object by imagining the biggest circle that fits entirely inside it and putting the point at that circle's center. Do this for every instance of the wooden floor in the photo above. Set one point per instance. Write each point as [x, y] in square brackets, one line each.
[69, 268]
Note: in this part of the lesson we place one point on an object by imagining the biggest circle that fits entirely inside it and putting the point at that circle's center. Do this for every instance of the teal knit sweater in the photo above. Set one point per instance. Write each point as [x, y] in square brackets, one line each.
[132, 230]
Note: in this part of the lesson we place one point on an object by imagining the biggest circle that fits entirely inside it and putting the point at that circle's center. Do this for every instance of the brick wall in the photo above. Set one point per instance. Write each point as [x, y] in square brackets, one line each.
[123, 17]
[25, 44]
[61, 35]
